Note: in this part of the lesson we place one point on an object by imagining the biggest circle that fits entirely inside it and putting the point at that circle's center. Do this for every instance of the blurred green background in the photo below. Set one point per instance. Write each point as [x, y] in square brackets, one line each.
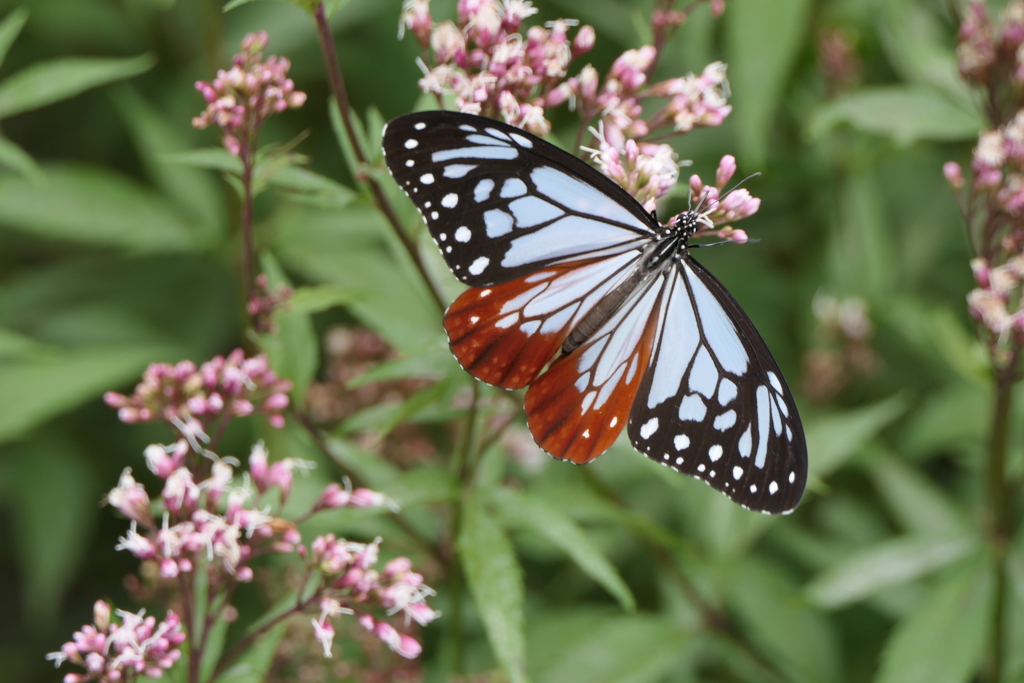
[115, 251]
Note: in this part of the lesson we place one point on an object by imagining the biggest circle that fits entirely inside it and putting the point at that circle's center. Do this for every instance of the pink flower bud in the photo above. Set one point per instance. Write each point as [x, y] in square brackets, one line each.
[584, 41]
[365, 498]
[244, 574]
[954, 175]
[367, 622]
[717, 8]
[397, 567]
[101, 615]
[334, 496]
[276, 402]
[726, 170]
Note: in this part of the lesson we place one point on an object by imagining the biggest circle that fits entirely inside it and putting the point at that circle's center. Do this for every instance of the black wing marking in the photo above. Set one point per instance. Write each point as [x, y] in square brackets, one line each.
[713, 403]
[501, 203]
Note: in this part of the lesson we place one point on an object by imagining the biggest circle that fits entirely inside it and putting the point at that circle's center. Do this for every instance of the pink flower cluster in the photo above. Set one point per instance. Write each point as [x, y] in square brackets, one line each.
[350, 583]
[493, 71]
[997, 302]
[111, 652]
[194, 399]
[719, 208]
[987, 54]
[240, 99]
[263, 302]
[998, 170]
[488, 64]
[208, 517]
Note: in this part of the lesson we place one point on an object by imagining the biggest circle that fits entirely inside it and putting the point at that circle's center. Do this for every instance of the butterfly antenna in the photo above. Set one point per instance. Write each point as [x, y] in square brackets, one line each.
[718, 244]
[737, 185]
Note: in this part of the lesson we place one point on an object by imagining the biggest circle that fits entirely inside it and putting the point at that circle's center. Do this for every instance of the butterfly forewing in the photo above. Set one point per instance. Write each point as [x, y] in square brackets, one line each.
[555, 251]
[501, 203]
[714, 404]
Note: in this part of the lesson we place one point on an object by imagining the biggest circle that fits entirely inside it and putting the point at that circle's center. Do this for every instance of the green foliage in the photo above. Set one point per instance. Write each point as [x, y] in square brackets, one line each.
[119, 246]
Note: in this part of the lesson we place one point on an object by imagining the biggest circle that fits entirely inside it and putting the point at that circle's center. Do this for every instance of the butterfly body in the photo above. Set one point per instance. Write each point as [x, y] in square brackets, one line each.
[581, 295]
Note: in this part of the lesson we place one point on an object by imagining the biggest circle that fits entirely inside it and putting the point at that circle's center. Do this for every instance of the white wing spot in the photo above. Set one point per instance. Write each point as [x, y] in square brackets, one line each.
[737, 472]
[711, 474]
[615, 421]
[753, 488]
[410, 163]
[745, 443]
[715, 452]
[484, 293]
[483, 189]
[450, 200]
[427, 205]
[792, 477]
[682, 441]
[474, 319]
[773, 488]
[725, 420]
[679, 460]
[494, 132]
[701, 468]
[411, 144]
[457, 170]
[726, 392]
[522, 140]
[789, 433]
[513, 187]
[775, 381]
[586, 434]
[420, 126]
[443, 236]
[463, 234]
[448, 250]
[649, 428]
[498, 223]
[665, 457]
[427, 178]
[508, 321]
[434, 215]
[692, 408]
[478, 266]
[468, 128]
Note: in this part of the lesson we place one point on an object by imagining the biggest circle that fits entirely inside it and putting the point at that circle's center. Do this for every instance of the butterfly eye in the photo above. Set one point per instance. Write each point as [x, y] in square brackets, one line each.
[579, 294]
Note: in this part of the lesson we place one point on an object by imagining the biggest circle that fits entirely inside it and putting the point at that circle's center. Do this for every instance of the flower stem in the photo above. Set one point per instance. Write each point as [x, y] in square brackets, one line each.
[249, 251]
[999, 519]
[341, 98]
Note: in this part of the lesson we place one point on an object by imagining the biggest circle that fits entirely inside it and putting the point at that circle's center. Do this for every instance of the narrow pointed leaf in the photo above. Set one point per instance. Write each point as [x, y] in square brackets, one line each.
[523, 510]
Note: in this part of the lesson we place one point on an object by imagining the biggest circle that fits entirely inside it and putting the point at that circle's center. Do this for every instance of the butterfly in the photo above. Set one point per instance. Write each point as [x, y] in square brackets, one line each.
[580, 294]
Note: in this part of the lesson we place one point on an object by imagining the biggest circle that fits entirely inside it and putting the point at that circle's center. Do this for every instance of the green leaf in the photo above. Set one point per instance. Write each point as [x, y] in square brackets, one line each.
[15, 158]
[833, 439]
[252, 666]
[797, 638]
[636, 649]
[351, 249]
[889, 563]
[294, 350]
[943, 639]
[905, 114]
[523, 510]
[495, 581]
[952, 418]
[211, 158]
[195, 193]
[863, 254]
[38, 390]
[920, 51]
[213, 648]
[313, 187]
[16, 345]
[918, 505]
[90, 205]
[10, 29]
[763, 41]
[430, 362]
[53, 496]
[51, 81]
[320, 298]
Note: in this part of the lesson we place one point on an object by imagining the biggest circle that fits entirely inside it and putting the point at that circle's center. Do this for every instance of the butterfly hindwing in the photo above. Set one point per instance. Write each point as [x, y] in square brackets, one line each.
[505, 334]
[501, 203]
[579, 406]
[714, 404]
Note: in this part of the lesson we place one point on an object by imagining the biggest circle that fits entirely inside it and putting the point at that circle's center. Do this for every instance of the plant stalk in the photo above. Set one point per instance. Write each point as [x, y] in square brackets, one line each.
[344, 108]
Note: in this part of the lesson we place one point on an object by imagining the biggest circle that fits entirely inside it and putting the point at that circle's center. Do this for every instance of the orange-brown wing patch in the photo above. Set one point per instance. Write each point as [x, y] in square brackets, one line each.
[577, 408]
[506, 334]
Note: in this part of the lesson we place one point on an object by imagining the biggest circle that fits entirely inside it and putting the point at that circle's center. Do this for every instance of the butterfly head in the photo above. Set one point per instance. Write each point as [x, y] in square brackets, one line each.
[687, 223]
